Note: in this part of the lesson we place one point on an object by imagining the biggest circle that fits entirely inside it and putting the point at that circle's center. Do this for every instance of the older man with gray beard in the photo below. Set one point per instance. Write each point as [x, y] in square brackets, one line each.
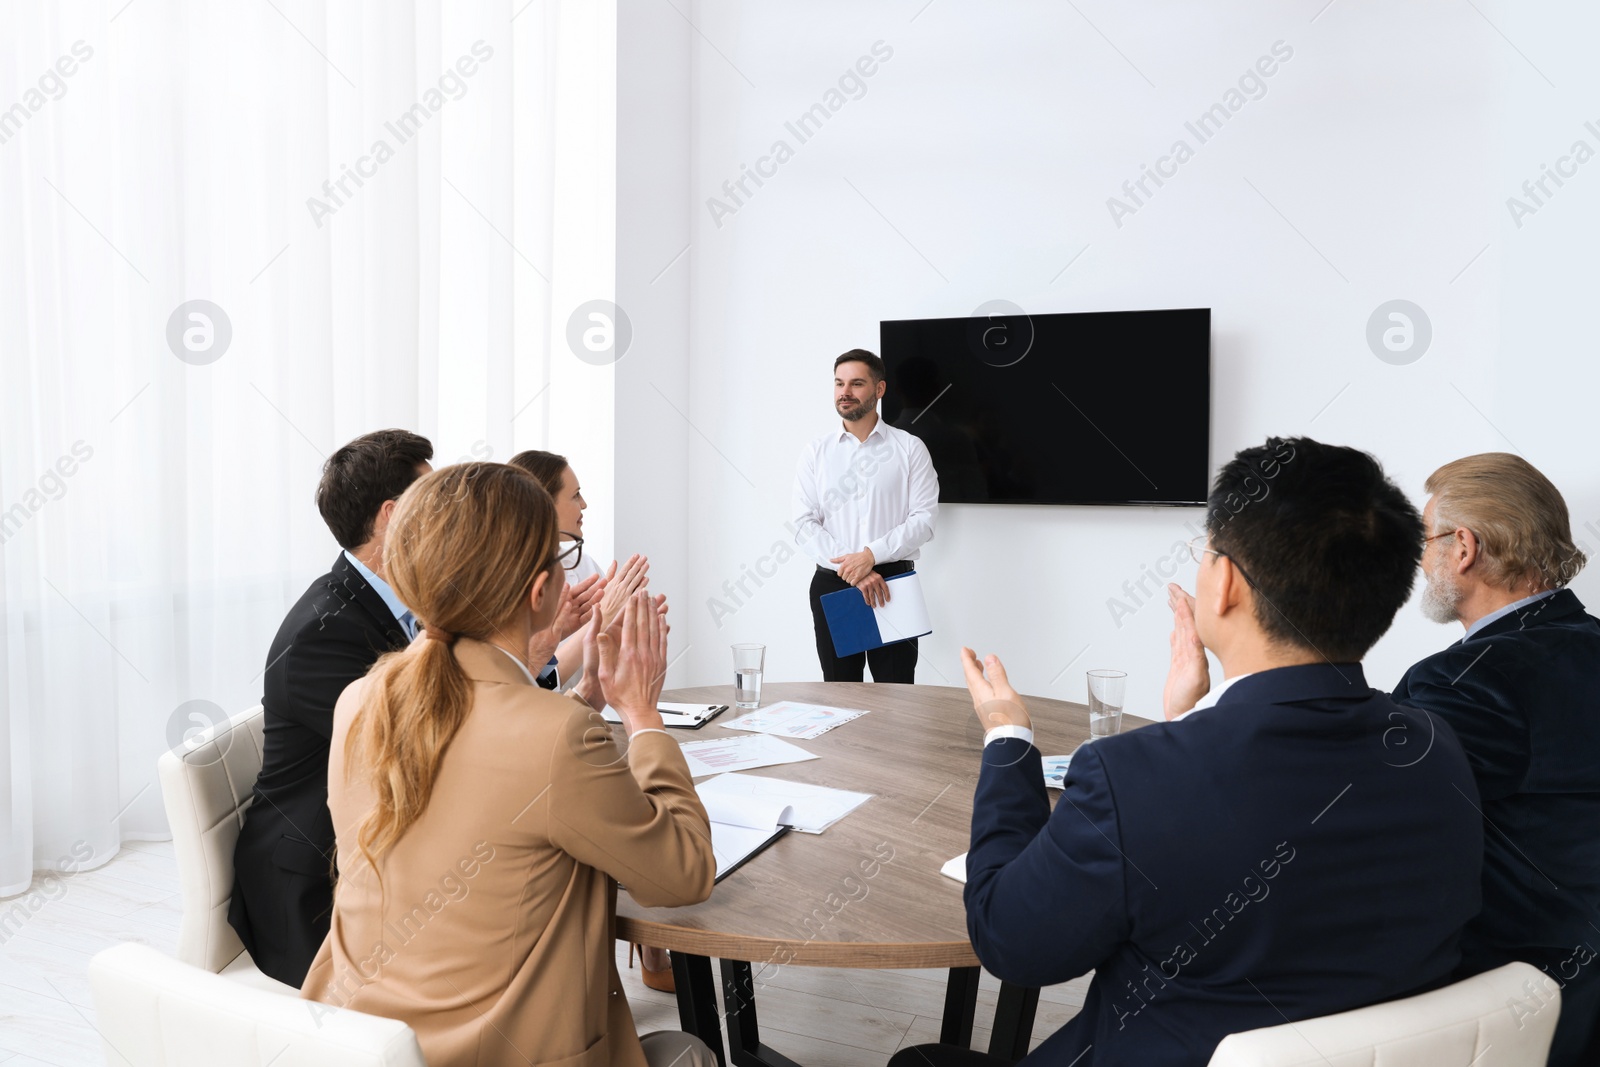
[1522, 691]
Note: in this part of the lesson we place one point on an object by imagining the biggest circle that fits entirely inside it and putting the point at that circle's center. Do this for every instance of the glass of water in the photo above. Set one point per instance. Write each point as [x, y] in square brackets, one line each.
[1105, 703]
[748, 662]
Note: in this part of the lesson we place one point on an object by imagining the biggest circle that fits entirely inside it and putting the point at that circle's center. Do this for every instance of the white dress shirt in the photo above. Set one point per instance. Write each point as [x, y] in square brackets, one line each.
[881, 494]
[1211, 698]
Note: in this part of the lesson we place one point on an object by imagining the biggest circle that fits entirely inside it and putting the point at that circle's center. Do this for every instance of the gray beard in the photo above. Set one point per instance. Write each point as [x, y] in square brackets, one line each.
[855, 414]
[1440, 599]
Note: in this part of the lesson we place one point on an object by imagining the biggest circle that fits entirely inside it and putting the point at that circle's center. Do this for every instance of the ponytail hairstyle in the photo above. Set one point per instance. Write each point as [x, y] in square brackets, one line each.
[545, 466]
[459, 555]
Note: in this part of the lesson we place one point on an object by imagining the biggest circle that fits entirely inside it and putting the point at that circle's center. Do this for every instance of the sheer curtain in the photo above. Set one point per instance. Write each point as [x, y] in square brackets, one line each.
[235, 236]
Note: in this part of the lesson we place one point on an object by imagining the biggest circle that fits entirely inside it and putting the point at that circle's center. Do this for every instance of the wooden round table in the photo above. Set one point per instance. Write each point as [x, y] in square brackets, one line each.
[866, 892]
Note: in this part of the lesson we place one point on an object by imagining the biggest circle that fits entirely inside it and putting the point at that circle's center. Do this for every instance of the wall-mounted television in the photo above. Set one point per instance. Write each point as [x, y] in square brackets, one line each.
[1104, 407]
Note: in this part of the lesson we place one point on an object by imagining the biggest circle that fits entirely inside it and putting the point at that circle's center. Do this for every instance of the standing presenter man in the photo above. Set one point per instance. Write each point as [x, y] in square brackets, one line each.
[865, 497]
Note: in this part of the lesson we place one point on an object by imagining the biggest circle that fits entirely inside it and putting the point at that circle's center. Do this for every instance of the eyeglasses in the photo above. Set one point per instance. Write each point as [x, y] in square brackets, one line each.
[1197, 546]
[570, 558]
[1435, 537]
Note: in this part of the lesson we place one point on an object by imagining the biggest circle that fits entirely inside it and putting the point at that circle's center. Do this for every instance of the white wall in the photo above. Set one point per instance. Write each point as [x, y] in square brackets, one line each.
[654, 135]
[978, 165]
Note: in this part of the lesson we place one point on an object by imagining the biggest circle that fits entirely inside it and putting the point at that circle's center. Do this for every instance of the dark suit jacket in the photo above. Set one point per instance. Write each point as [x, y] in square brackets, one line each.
[1523, 694]
[1288, 853]
[282, 865]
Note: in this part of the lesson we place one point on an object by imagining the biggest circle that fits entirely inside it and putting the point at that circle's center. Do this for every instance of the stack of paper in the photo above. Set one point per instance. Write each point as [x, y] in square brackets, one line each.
[788, 718]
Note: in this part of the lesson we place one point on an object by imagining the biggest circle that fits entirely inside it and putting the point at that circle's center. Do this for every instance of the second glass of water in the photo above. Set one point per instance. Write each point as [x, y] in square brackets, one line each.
[748, 663]
[1105, 703]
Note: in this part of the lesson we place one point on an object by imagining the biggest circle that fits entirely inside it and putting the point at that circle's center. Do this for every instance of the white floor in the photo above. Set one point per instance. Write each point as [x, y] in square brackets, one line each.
[46, 1015]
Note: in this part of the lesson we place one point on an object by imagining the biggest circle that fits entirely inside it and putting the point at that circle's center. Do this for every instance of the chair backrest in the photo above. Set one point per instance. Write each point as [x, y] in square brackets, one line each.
[206, 786]
[153, 1011]
[1501, 1018]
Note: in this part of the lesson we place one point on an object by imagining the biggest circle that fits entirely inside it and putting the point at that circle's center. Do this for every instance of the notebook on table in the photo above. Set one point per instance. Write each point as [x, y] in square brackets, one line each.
[808, 808]
[741, 829]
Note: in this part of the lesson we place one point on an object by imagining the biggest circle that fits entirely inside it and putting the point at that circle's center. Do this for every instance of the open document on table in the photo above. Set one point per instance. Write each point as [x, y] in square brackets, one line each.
[808, 808]
[748, 813]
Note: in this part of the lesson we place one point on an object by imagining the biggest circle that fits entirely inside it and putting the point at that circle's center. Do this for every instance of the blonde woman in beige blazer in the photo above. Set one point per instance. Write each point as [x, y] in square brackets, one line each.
[483, 823]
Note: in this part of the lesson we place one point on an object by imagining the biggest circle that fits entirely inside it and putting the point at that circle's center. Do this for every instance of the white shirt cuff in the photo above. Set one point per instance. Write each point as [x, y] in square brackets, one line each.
[997, 732]
[648, 730]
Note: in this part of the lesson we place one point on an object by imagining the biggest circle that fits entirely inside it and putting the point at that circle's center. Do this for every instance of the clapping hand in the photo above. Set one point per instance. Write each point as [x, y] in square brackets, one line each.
[1188, 675]
[632, 657]
[619, 587]
[996, 703]
[577, 604]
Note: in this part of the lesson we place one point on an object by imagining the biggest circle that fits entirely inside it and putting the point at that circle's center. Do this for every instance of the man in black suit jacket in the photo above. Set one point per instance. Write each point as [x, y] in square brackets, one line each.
[283, 863]
[1522, 691]
[1278, 854]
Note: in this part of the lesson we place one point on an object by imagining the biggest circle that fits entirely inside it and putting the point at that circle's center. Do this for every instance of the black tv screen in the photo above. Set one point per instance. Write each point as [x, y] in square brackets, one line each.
[1105, 407]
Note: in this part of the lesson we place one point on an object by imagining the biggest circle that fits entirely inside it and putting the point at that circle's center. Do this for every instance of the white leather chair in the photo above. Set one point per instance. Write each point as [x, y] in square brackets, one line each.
[1501, 1018]
[154, 1011]
[206, 787]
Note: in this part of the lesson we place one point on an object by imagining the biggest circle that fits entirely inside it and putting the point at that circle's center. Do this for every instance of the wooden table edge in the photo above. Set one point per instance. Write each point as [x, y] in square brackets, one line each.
[889, 956]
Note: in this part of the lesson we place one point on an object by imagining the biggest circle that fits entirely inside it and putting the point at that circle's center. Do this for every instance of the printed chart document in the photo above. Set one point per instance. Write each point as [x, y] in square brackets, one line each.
[808, 808]
[789, 718]
[1055, 771]
[740, 754]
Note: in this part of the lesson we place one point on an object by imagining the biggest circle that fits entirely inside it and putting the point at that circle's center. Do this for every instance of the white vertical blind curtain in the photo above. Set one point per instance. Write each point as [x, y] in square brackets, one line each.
[364, 194]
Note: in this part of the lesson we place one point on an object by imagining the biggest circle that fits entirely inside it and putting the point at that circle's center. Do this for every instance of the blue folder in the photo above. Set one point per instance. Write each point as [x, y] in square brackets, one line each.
[852, 623]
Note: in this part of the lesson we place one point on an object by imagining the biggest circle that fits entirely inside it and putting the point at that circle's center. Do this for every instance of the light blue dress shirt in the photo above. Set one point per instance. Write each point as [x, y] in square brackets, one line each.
[1516, 605]
[402, 614]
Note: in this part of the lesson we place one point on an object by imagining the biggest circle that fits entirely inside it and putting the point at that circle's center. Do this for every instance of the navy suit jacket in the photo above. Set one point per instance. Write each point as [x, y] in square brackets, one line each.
[283, 881]
[1304, 847]
[1523, 694]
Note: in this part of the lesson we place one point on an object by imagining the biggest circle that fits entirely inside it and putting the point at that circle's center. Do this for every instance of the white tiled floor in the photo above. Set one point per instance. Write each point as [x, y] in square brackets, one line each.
[48, 934]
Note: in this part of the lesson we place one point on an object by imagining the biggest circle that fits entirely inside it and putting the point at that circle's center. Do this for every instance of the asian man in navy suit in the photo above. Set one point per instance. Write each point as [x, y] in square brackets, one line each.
[283, 862]
[1522, 691]
[1292, 844]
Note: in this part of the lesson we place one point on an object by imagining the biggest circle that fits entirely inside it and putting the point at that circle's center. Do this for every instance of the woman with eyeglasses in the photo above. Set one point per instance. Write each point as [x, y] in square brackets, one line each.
[561, 482]
[560, 645]
[483, 823]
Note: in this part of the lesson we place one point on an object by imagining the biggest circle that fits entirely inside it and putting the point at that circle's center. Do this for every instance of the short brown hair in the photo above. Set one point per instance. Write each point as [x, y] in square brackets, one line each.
[545, 466]
[1515, 512]
[861, 355]
[359, 477]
